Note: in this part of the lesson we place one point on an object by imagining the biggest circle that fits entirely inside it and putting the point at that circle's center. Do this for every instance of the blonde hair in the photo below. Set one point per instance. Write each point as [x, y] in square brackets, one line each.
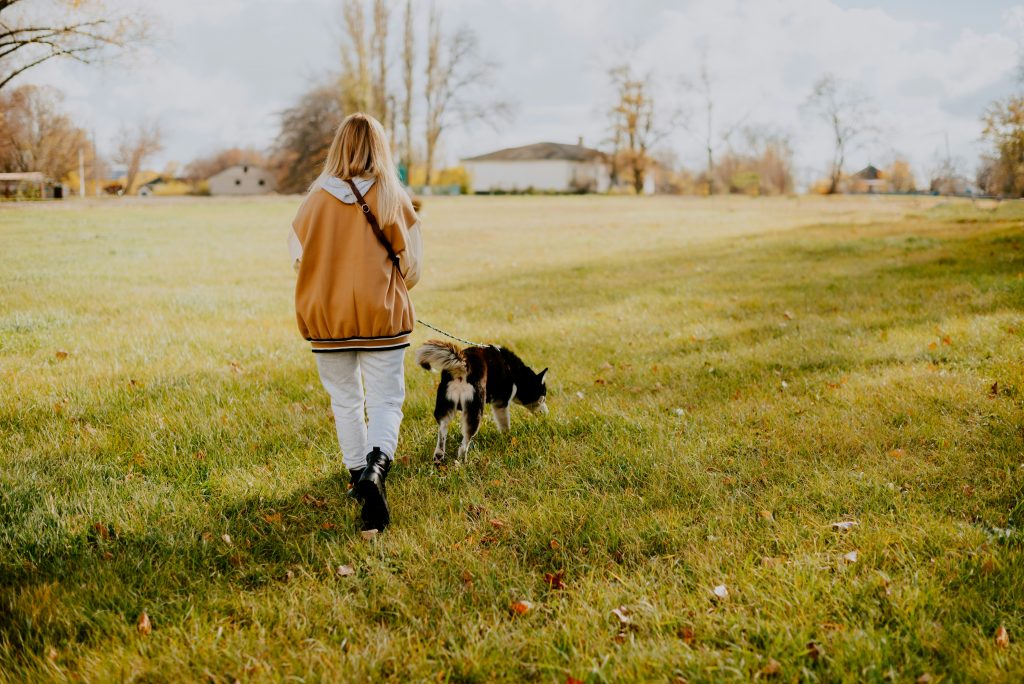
[360, 148]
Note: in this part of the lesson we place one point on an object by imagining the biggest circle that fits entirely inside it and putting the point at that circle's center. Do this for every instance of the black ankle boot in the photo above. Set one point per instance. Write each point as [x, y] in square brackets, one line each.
[372, 491]
[353, 480]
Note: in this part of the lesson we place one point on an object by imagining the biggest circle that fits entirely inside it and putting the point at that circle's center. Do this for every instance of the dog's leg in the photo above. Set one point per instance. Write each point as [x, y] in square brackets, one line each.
[502, 416]
[471, 416]
[442, 436]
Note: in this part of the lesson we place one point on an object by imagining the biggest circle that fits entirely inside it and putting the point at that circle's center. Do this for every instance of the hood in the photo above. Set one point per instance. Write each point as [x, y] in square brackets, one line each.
[342, 191]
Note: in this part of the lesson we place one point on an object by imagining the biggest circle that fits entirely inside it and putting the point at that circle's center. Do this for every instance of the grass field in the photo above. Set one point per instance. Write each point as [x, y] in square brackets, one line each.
[729, 378]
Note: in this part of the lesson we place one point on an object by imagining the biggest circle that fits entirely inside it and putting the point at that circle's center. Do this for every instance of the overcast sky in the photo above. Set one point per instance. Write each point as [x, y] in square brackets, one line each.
[220, 71]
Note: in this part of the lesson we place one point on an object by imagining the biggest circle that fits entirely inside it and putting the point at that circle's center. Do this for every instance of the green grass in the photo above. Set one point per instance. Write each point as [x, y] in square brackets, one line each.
[729, 378]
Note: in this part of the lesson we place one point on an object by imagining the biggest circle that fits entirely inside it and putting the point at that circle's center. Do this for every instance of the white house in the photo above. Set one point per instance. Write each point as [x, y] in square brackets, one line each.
[242, 179]
[544, 167]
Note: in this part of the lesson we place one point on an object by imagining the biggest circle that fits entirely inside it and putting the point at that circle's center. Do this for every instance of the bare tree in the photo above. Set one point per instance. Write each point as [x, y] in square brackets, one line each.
[135, 147]
[36, 135]
[204, 167]
[356, 89]
[849, 114]
[408, 67]
[455, 76]
[306, 132]
[633, 122]
[379, 51]
[83, 30]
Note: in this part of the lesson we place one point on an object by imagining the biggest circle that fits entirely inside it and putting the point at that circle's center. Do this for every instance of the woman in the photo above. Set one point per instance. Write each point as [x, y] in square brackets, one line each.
[355, 244]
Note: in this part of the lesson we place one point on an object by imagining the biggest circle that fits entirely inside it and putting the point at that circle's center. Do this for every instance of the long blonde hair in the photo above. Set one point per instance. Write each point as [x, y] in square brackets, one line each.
[360, 148]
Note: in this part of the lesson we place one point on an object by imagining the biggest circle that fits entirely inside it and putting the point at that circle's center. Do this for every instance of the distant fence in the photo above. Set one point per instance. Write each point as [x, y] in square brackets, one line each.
[454, 189]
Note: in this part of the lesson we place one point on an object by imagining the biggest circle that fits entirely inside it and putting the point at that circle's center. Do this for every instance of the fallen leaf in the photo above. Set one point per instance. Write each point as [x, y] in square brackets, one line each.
[620, 638]
[327, 525]
[770, 561]
[475, 511]
[143, 624]
[236, 367]
[813, 650]
[467, 577]
[368, 535]
[51, 654]
[1002, 637]
[102, 531]
[721, 592]
[272, 518]
[622, 613]
[844, 525]
[600, 381]
[728, 481]
[993, 391]
[60, 354]
[947, 340]
[226, 537]
[555, 544]
[579, 395]
[772, 669]
[968, 490]
[766, 515]
[555, 580]
[897, 453]
[687, 635]
[850, 557]
[788, 315]
[924, 679]
[521, 607]
[572, 680]
[988, 565]
[497, 523]
[345, 571]
[605, 366]
[933, 346]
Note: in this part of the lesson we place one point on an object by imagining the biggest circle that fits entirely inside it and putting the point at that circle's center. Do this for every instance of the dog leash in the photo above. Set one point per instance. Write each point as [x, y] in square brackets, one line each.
[449, 335]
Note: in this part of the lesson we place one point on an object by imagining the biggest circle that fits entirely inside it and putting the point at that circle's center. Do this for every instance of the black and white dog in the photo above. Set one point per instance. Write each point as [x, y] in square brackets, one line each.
[475, 376]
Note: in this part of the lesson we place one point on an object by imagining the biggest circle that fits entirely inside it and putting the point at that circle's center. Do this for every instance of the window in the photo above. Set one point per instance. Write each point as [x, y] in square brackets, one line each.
[262, 182]
[245, 169]
[238, 181]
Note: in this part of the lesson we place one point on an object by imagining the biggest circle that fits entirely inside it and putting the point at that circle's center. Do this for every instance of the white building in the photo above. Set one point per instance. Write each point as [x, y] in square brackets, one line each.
[543, 167]
[242, 179]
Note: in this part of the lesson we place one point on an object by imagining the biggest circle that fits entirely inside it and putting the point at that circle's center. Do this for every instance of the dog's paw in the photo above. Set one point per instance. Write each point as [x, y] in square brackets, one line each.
[439, 457]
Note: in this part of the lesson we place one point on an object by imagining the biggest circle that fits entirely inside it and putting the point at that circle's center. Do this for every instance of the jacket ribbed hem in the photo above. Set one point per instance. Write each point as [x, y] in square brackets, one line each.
[362, 343]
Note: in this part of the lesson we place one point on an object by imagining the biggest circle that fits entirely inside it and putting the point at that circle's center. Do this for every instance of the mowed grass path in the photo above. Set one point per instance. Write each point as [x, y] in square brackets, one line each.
[729, 378]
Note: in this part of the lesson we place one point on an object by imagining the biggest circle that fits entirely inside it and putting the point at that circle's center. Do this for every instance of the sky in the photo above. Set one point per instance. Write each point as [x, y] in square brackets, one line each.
[219, 72]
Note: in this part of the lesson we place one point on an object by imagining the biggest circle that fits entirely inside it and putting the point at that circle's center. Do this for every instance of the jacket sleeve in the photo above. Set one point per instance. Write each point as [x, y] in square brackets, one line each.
[294, 241]
[411, 258]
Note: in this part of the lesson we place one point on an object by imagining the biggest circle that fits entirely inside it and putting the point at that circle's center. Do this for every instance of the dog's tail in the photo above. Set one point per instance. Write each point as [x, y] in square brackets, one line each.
[440, 356]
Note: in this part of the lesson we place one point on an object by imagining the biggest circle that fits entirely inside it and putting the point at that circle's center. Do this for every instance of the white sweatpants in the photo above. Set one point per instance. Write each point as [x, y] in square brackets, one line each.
[343, 375]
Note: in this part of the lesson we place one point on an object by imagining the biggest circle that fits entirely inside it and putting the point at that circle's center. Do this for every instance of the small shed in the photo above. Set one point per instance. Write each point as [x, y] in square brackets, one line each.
[242, 179]
[543, 167]
[29, 185]
[868, 181]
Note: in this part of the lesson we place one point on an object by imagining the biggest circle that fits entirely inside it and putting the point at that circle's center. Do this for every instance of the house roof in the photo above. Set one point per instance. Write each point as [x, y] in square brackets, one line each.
[239, 168]
[869, 172]
[31, 176]
[542, 151]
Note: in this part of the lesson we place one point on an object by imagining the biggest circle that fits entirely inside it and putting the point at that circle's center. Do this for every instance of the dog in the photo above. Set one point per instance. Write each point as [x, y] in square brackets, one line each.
[473, 377]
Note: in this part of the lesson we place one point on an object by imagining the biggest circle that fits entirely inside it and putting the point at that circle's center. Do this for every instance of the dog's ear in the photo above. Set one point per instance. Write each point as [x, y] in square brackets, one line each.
[540, 376]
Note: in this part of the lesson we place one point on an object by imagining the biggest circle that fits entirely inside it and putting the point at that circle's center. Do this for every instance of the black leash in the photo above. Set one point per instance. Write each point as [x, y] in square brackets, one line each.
[447, 334]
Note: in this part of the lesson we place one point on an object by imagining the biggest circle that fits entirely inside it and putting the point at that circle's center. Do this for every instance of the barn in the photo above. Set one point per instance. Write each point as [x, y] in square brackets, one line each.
[242, 179]
[541, 167]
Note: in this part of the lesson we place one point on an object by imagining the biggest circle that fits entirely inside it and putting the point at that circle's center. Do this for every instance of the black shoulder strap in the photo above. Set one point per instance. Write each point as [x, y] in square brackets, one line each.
[372, 220]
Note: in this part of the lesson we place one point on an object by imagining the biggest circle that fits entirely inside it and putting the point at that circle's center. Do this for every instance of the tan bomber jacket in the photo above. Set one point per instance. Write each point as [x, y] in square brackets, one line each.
[349, 295]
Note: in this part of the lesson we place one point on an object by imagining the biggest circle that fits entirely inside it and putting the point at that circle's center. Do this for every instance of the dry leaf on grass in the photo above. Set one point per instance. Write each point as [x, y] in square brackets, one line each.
[813, 650]
[467, 578]
[766, 515]
[572, 680]
[687, 635]
[521, 607]
[897, 453]
[345, 571]
[143, 624]
[368, 535]
[497, 523]
[772, 669]
[844, 525]
[272, 518]
[1002, 637]
[60, 354]
[850, 557]
[226, 538]
[925, 679]
[555, 580]
[721, 592]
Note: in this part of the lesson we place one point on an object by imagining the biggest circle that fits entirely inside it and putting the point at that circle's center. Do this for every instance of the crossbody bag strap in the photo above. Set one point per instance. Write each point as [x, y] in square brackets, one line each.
[372, 220]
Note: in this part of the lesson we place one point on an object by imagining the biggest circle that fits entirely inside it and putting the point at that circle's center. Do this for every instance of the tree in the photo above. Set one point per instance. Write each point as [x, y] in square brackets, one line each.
[632, 119]
[900, 176]
[379, 52]
[356, 89]
[1004, 130]
[82, 30]
[848, 113]
[136, 146]
[36, 135]
[306, 133]
[762, 165]
[408, 68]
[455, 76]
